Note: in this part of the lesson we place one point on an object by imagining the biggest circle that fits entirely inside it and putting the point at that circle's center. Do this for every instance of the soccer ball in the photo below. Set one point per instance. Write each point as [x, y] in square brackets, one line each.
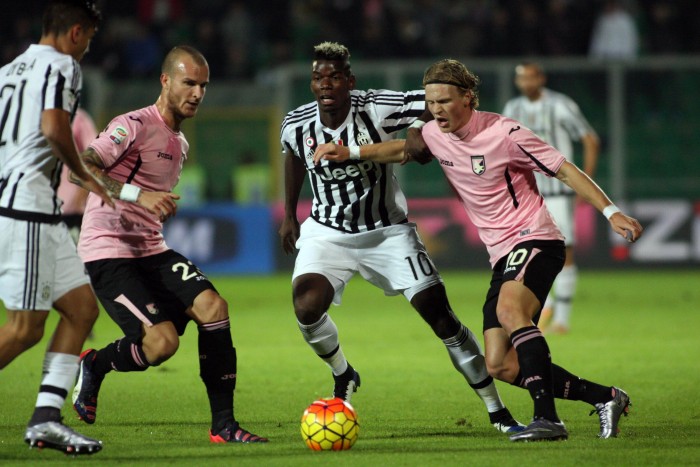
[330, 425]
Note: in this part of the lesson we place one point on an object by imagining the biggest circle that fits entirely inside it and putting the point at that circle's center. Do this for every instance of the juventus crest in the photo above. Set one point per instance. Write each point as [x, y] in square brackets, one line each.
[478, 164]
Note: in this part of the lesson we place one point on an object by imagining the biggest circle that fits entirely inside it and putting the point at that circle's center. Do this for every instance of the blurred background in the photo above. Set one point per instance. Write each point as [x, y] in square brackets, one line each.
[633, 66]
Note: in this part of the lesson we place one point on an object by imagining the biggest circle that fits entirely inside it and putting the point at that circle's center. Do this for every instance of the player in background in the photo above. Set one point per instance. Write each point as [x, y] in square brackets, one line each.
[40, 269]
[149, 290]
[359, 224]
[490, 161]
[74, 197]
[557, 119]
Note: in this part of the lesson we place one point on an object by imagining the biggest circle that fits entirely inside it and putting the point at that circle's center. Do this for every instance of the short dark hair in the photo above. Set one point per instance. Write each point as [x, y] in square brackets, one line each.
[170, 60]
[534, 65]
[334, 52]
[60, 15]
[449, 71]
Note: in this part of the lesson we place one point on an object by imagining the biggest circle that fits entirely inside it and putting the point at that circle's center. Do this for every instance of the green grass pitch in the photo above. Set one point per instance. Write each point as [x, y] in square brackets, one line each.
[638, 330]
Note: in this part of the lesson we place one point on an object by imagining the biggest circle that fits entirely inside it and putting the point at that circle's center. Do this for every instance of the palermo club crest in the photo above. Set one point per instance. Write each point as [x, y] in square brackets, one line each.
[478, 164]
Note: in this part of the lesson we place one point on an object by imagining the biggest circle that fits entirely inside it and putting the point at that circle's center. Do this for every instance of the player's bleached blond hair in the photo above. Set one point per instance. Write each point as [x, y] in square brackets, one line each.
[333, 51]
[449, 71]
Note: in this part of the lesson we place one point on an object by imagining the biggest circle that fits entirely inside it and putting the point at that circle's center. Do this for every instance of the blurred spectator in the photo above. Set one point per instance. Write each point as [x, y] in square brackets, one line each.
[497, 39]
[73, 196]
[664, 27]
[240, 39]
[560, 34]
[615, 35]
[159, 13]
[209, 42]
[463, 23]
[528, 30]
[142, 52]
[255, 36]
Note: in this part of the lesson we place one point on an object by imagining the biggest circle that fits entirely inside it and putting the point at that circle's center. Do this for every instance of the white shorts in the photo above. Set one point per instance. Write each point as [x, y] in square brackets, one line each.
[391, 258]
[39, 264]
[562, 209]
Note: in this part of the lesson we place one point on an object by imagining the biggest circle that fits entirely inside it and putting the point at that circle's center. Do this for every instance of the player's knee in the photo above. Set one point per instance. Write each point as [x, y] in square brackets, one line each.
[163, 351]
[312, 295]
[161, 347]
[435, 310]
[86, 315]
[209, 306]
[496, 369]
[501, 370]
[308, 308]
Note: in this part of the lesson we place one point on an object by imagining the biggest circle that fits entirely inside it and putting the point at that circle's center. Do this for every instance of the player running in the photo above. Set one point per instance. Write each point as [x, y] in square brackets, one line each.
[490, 161]
[40, 269]
[359, 224]
[556, 119]
[149, 290]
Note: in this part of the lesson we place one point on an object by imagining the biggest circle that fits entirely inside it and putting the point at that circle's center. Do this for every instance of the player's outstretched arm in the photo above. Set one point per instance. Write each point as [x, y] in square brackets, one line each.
[160, 203]
[55, 126]
[384, 153]
[416, 149]
[584, 186]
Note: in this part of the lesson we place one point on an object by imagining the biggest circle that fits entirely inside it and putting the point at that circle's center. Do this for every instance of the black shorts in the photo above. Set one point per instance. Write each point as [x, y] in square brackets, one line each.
[535, 263]
[148, 290]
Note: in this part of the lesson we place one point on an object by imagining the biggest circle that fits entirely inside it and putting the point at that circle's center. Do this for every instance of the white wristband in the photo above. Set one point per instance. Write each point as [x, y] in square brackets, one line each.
[610, 210]
[129, 193]
[354, 152]
[417, 124]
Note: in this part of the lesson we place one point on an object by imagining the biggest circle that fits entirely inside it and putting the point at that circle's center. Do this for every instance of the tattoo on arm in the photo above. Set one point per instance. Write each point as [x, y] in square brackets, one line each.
[95, 166]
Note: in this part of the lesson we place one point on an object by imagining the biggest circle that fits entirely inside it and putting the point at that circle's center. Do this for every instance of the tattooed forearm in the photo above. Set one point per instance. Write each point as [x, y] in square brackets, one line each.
[94, 165]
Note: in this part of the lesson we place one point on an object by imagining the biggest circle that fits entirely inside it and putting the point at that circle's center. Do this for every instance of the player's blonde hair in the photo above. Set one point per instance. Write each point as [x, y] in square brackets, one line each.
[333, 51]
[453, 72]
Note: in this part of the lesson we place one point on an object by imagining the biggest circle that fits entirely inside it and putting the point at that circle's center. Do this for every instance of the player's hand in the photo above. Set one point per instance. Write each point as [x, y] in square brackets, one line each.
[415, 148]
[331, 152]
[95, 186]
[626, 226]
[160, 203]
[289, 234]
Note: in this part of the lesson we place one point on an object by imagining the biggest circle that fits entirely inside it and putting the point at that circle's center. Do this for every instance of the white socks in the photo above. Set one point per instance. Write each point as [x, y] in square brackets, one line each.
[322, 336]
[564, 290]
[468, 358]
[59, 372]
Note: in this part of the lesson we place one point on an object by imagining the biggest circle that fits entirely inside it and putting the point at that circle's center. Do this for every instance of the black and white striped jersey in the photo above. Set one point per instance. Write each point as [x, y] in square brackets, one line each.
[555, 118]
[358, 195]
[39, 79]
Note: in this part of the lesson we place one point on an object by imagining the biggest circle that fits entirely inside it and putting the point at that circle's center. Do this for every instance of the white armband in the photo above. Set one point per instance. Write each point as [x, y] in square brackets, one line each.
[129, 193]
[610, 210]
[417, 124]
[354, 152]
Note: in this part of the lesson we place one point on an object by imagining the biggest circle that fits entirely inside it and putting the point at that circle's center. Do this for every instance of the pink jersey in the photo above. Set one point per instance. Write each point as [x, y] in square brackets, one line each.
[72, 195]
[140, 149]
[490, 163]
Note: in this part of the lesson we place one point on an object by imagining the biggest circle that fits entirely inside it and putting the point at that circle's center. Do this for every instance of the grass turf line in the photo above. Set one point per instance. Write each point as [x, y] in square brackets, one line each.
[637, 330]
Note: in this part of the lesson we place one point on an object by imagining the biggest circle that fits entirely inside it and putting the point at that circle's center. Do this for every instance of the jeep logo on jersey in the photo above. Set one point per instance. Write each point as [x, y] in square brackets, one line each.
[478, 164]
[118, 135]
[363, 138]
[339, 173]
[164, 155]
